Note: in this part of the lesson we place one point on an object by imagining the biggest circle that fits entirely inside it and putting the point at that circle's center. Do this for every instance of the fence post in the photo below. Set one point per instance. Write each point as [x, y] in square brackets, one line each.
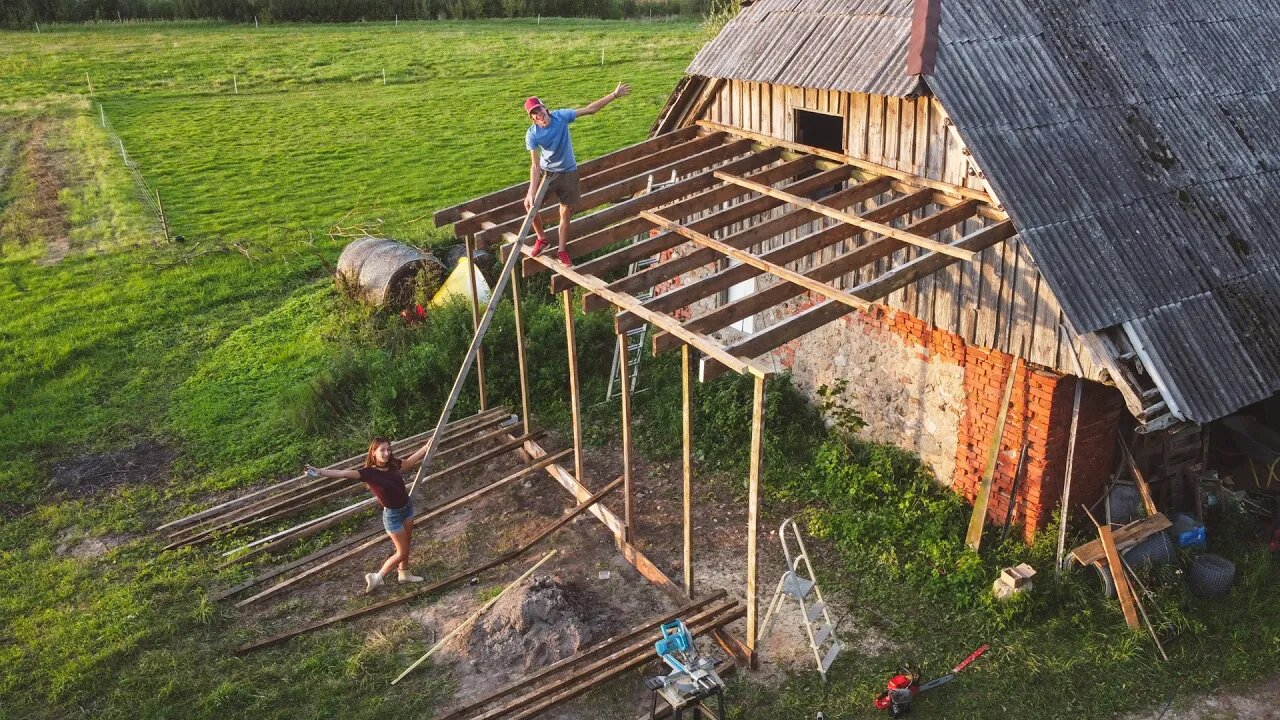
[164, 222]
[88, 82]
[235, 84]
[102, 115]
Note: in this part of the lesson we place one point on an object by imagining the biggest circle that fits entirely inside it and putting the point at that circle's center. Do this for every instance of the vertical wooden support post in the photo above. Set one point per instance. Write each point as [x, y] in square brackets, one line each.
[628, 488]
[524, 375]
[1066, 480]
[753, 513]
[686, 412]
[571, 344]
[475, 319]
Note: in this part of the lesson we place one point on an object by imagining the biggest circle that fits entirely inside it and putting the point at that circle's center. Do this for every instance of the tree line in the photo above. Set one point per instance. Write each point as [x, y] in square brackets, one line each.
[24, 13]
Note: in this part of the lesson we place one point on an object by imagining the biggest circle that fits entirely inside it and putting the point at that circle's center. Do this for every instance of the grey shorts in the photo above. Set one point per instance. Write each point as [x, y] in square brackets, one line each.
[563, 186]
[393, 520]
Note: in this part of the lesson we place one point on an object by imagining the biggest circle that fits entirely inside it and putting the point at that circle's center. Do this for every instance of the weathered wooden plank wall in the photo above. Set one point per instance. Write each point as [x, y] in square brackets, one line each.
[1001, 302]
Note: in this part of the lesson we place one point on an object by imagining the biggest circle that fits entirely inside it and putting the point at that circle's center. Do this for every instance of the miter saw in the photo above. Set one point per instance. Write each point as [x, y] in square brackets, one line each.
[692, 678]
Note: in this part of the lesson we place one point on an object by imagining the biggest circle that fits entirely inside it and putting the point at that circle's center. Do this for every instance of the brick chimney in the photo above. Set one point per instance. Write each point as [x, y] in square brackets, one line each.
[923, 49]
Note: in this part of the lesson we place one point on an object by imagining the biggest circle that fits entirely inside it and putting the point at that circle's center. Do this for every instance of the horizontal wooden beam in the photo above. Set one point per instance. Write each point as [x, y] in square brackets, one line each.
[747, 258]
[754, 235]
[834, 214]
[595, 232]
[726, 216]
[956, 191]
[617, 191]
[761, 300]
[703, 343]
[819, 315]
[586, 169]
[641, 168]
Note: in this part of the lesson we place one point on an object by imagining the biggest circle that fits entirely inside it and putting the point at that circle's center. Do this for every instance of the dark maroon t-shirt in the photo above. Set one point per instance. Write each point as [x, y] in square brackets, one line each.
[387, 485]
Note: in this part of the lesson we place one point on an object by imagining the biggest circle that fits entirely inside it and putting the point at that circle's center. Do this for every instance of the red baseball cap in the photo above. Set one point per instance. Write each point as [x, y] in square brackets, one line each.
[532, 103]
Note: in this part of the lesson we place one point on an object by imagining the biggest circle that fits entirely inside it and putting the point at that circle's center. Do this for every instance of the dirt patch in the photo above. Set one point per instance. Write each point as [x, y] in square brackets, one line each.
[1259, 701]
[533, 626]
[88, 548]
[147, 462]
[36, 212]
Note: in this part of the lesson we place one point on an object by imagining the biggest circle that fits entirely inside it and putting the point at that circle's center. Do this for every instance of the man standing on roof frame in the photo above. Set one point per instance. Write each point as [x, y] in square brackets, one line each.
[551, 152]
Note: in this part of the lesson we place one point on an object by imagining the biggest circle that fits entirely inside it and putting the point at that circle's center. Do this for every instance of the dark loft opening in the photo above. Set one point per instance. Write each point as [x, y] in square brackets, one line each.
[820, 130]
[823, 131]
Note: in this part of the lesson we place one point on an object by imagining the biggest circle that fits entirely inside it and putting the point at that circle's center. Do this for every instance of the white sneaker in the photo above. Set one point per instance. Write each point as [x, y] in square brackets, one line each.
[372, 581]
[406, 577]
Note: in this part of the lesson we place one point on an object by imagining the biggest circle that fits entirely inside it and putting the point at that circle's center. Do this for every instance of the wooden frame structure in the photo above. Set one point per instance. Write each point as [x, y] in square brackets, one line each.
[739, 206]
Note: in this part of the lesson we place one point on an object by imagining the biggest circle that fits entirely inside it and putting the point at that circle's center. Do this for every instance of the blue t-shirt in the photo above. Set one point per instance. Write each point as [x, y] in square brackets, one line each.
[557, 148]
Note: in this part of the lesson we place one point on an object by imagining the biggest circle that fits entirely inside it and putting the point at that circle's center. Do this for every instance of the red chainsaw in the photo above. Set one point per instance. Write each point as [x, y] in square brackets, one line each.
[904, 687]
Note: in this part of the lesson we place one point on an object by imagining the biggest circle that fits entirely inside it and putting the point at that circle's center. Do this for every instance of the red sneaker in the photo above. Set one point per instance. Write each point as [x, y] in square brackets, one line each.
[564, 258]
[538, 247]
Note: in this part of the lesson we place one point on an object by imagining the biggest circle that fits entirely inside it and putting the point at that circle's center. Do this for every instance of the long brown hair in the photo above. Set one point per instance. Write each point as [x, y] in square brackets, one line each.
[393, 462]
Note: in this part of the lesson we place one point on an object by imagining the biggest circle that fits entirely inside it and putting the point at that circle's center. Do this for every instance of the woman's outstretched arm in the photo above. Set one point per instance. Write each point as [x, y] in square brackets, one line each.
[413, 460]
[326, 472]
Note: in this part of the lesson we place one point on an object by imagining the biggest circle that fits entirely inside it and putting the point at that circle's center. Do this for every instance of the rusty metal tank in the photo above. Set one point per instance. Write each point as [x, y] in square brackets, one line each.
[383, 270]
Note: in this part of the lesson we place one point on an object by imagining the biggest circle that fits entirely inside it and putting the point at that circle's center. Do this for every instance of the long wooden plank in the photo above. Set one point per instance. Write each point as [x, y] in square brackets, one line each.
[585, 170]
[474, 302]
[819, 315]
[746, 237]
[445, 507]
[711, 223]
[615, 642]
[978, 519]
[636, 171]
[757, 262]
[575, 402]
[686, 468]
[702, 342]
[439, 584]
[732, 312]
[700, 162]
[856, 221]
[753, 514]
[628, 486]
[956, 191]
[1125, 538]
[1123, 592]
[598, 230]
[1139, 478]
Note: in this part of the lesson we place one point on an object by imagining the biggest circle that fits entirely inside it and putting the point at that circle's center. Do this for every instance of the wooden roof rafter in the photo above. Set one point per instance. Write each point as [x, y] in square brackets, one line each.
[734, 209]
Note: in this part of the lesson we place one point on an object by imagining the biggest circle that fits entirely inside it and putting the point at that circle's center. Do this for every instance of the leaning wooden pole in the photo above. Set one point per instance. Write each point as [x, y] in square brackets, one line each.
[508, 271]
[628, 487]
[575, 401]
[753, 513]
[686, 413]
[520, 359]
[475, 320]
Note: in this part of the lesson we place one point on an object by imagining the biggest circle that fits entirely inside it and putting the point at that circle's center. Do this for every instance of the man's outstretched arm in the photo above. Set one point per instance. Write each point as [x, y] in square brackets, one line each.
[623, 89]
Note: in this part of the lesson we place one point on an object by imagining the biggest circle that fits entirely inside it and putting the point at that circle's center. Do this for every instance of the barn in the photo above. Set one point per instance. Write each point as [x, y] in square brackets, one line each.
[930, 201]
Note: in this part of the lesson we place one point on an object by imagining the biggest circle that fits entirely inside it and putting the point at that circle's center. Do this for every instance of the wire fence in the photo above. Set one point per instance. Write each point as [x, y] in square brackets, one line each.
[150, 196]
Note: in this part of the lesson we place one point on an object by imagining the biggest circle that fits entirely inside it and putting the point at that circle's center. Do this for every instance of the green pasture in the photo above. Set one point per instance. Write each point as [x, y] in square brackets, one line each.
[231, 348]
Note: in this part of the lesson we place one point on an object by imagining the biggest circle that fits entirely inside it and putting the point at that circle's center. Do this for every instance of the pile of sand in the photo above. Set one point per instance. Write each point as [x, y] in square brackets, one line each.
[529, 628]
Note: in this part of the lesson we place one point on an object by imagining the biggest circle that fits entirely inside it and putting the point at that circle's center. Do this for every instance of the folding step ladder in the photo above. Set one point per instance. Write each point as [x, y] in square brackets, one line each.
[635, 337]
[800, 583]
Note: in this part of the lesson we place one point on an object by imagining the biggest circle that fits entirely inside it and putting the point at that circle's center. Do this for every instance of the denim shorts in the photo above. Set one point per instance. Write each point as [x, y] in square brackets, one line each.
[393, 520]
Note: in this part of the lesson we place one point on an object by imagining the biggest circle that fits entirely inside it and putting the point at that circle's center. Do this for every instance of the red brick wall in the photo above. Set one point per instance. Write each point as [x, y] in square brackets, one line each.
[1040, 411]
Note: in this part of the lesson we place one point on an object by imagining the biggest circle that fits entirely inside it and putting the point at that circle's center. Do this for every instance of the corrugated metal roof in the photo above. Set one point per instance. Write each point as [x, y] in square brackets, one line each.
[851, 45]
[1133, 144]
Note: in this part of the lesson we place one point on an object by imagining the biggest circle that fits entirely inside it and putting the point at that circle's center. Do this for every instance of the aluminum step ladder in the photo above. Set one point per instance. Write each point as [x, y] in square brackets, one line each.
[635, 339]
[799, 582]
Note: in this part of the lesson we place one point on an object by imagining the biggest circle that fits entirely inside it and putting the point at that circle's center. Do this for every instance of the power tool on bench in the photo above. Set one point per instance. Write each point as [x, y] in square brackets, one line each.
[904, 687]
[690, 674]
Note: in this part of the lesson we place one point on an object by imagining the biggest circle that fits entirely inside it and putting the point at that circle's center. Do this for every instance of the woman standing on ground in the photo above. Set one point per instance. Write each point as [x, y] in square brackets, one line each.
[382, 474]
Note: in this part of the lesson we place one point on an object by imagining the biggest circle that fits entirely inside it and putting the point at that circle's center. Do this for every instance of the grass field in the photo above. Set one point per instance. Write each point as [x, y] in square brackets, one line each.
[231, 349]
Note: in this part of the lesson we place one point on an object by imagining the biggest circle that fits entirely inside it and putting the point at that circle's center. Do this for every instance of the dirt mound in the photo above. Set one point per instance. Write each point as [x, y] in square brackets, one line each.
[148, 461]
[530, 628]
